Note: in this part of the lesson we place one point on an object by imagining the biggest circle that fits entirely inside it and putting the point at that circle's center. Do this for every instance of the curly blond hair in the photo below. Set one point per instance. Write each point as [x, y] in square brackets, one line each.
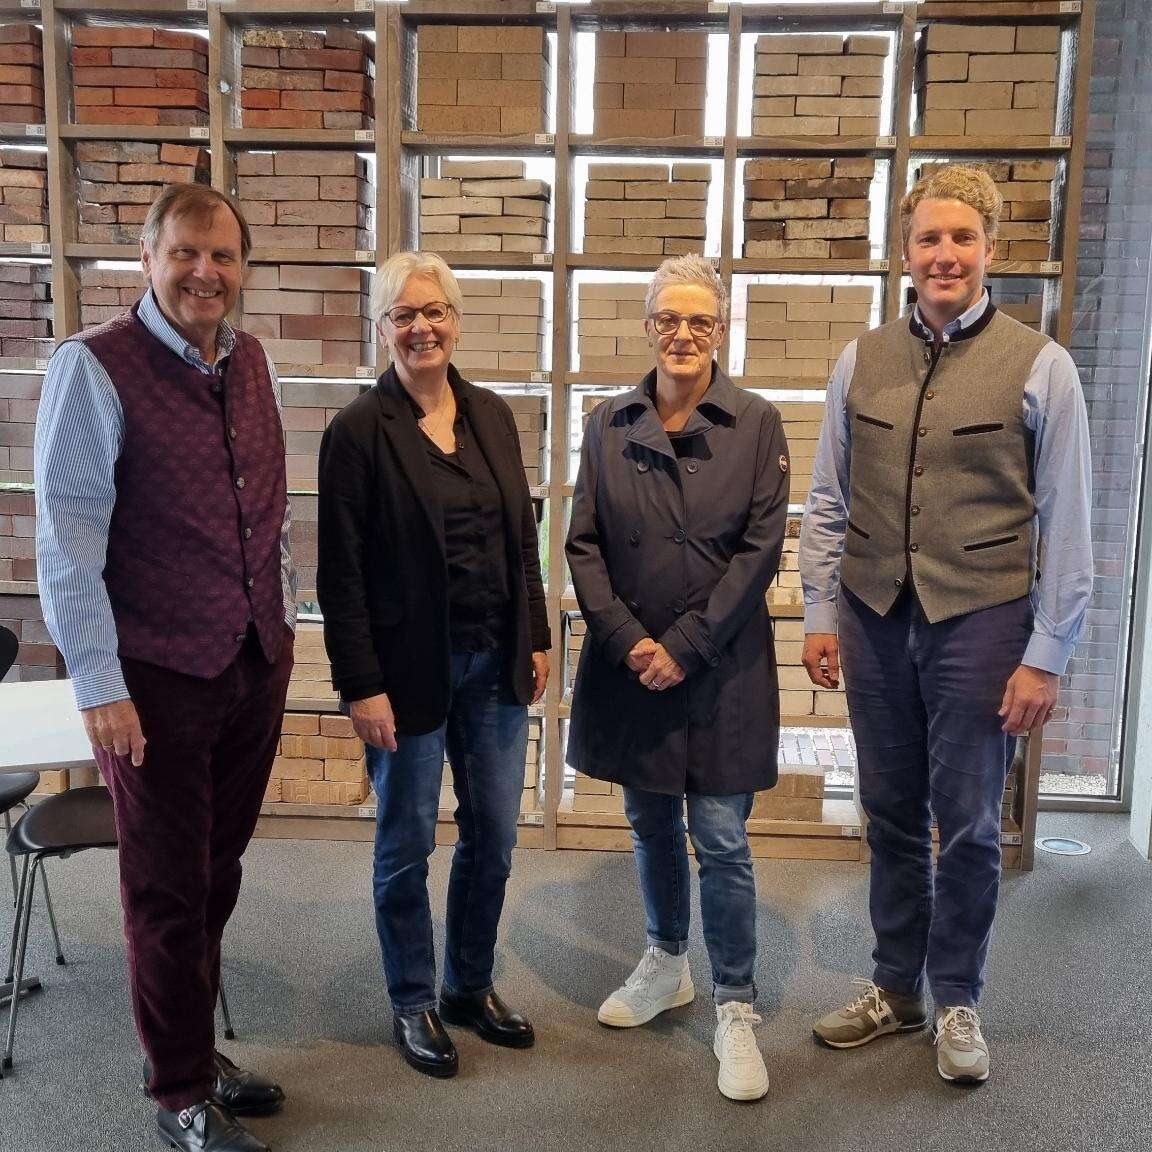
[968, 183]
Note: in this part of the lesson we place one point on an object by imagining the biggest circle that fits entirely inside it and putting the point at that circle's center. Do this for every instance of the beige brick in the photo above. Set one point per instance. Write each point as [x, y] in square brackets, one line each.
[777, 64]
[869, 45]
[795, 125]
[786, 249]
[944, 66]
[837, 106]
[643, 122]
[797, 86]
[785, 209]
[662, 96]
[1034, 96]
[1016, 67]
[665, 44]
[970, 38]
[802, 44]
[824, 229]
[1033, 169]
[1008, 122]
[601, 172]
[786, 169]
[943, 123]
[968, 95]
[483, 169]
[1038, 38]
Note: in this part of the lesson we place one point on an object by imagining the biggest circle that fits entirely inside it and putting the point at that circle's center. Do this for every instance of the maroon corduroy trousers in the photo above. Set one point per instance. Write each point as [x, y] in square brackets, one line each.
[183, 820]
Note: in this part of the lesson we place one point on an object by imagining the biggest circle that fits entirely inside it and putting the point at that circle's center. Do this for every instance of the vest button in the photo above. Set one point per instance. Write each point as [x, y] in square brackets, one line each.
[929, 395]
[641, 465]
[239, 481]
[927, 356]
[915, 509]
[918, 470]
[217, 388]
[913, 547]
[679, 606]
[247, 533]
[232, 430]
[239, 637]
[250, 582]
[921, 431]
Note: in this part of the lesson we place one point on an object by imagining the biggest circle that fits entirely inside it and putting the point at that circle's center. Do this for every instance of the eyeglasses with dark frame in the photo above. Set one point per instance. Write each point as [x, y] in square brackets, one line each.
[435, 312]
[699, 324]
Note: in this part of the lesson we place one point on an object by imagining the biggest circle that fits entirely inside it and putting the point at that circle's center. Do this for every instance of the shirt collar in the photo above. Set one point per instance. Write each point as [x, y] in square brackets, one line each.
[953, 329]
[158, 324]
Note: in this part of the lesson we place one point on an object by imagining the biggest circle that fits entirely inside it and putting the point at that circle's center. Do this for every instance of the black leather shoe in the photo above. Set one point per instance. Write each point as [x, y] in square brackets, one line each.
[243, 1093]
[488, 1016]
[206, 1127]
[425, 1044]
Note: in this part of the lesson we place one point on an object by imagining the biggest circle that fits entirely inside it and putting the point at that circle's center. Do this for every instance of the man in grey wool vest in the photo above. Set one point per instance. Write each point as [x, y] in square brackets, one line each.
[954, 443]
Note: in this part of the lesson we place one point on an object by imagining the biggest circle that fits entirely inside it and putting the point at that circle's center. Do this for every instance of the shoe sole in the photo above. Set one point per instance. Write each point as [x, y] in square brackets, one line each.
[884, 1030]
[460, 1020]
[676, 999]
[962, 1081]
[743, 1094]
[251, 1110]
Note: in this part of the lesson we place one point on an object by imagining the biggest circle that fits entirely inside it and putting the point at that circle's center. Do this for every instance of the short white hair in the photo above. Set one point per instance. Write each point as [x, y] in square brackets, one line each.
[395, 272]
[690, 269]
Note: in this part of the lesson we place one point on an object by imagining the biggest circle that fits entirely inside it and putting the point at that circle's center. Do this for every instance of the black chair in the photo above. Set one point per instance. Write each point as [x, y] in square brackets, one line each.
[59, 826]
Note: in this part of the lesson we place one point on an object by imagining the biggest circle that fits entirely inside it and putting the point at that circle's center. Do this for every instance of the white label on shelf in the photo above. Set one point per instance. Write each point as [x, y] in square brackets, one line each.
[718, 6]
[885, 141]
[546, 139]
[1059, 141]
[29, 3]
[40, 365]
[365, 257]
[1053, 266]
[362, 372]
[364, 5]
[33, 129]
[197, 5]
[534, 818]
[877, 265]
[545, 9]
[367, 135]
[1069, 5]
[713, 141]
[1011, 838]
[541, 377]
[850, 831]
[197, 133]
[541, 258]
[366, 811]
[41, 249]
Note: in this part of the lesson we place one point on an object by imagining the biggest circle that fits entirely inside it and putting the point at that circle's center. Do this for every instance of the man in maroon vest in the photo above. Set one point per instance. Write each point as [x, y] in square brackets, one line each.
[167, 585]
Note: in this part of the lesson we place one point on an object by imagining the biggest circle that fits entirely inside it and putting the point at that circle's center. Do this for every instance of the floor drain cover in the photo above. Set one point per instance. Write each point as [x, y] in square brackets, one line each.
[1063, 846]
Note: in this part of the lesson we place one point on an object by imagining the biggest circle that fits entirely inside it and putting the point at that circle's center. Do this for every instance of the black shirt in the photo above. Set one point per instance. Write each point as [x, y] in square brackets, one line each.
[479, 594]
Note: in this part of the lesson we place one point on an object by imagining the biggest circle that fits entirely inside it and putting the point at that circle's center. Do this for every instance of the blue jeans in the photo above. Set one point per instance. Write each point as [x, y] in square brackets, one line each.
[923, 701]
[486, 736]
[727, 884]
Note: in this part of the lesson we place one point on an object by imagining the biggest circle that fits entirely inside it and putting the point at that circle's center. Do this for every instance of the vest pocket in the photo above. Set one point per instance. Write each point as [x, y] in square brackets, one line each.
[995, 542]
[976, 429]
[859, 531]
[872, 420]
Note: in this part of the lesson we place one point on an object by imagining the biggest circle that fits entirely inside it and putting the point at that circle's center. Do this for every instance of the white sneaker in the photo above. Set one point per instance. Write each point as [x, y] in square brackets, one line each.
[659, 982]
[742, 1072]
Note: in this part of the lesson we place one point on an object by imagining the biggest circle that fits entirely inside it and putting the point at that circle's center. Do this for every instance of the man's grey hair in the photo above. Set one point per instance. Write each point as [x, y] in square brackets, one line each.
[690, 269]
[395, 272]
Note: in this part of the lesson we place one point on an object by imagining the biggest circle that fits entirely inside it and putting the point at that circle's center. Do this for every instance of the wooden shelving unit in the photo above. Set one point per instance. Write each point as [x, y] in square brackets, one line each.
[403, 153]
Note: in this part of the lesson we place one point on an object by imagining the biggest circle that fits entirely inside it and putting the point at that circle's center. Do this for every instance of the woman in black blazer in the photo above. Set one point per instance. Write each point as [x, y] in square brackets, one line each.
[436, 626]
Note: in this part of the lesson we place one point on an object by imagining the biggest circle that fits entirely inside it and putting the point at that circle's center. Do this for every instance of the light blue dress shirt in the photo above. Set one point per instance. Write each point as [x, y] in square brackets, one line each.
[1054, 411]
[79, 435]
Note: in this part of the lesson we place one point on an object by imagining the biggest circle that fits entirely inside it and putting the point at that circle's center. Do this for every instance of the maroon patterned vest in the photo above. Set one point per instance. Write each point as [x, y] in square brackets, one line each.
[194, 542]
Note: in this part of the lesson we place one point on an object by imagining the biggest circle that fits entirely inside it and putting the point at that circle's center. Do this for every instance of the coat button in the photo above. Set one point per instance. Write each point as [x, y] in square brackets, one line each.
[715, 661]
[927, 356]
[678, 537]
[679, 606]
[641, 465]
[633, 605]
[634, 536]
[239, 481]
[899, 583]
[915, 509]
[913, 547]
[918, 470]
[692, 467]
[247, 533]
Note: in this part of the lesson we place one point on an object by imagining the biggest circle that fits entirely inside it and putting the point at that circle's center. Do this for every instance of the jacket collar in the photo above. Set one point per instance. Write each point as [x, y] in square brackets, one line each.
[964, 327]
[718, 404]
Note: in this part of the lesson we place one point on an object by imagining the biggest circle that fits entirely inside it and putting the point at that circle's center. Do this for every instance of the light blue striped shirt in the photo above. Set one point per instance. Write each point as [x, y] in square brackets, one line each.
[1054, 411]
[79, 435]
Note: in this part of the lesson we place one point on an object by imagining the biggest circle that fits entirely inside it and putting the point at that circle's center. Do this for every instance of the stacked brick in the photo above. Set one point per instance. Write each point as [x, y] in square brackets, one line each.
[320, 760]
[798, 795]
[796, 332]
[636, 208]
[21, 74]
[503, 326]
[302, 535]
[988, 80]
[139, 75]
[818, 84]
[484, 206]
[477, 80]
[311, 315]
[799, 697]
[23, 195]
[786, 588]
[1026, 221]
[25, 311]
[292, 78]
[599, 796]
[802, 422]
[19, 398]
[311, 673]
[650, 83]
[118, 180]
[531, 413]
[575, 630]
[610, 330]
[306, 199]
[106, 292]
[18, 558]
[308, 408]
[807, 208]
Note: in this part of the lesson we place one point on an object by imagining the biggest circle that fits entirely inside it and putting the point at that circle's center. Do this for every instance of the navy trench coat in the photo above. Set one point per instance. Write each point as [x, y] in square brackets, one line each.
[682, 550]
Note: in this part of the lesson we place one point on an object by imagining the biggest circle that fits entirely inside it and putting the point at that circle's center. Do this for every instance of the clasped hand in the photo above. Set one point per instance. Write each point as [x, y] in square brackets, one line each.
[656, 668]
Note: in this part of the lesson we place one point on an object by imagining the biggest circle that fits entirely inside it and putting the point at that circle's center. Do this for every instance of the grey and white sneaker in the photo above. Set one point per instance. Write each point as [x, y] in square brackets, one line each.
[961, 1051]
[875, 1013]
[659, 982]
[742, 1072]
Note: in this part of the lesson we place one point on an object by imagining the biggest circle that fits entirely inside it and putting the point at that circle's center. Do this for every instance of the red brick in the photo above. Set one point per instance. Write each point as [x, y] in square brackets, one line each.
[158, 58]
[326, 101]
[337, 59]
[95, 35]
[162, 98]
[183, 154]
[117, 116]
[19, 54]
[19, 34]
[114, 77]
[183, 40]
[91, 57]
[278, 118]
[312, 163]
[27, 74]
[260, 98]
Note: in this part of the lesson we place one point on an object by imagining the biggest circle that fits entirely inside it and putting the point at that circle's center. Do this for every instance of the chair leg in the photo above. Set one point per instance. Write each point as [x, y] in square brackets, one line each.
[51, 913]
[24, 914]
[229, 1034]
[11, 859]
[16, 925]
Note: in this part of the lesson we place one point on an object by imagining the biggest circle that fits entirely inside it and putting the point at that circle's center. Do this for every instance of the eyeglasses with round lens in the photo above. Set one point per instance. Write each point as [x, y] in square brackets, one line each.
[435, 312]
[668, 323]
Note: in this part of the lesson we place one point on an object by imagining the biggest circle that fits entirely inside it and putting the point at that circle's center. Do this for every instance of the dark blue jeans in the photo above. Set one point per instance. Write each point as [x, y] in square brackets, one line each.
[923, 701]
[727, 884]
[486, 737]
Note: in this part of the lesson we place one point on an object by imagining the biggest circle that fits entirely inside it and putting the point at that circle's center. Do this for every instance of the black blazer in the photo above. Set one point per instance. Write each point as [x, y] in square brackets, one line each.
[382, 576]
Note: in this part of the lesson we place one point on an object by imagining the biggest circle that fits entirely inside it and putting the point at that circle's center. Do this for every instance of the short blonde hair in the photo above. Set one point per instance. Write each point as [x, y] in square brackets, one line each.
[967, 183]
[395, 272]
[690, 269]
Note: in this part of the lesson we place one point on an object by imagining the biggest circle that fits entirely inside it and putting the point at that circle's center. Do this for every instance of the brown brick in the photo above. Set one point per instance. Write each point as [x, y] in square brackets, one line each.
[324, 59]
[20, 54]
[159, 58]
[281, 118]
[92, 36]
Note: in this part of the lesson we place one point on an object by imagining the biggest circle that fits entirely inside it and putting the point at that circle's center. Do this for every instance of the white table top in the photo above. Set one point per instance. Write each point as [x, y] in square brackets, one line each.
[40, 728]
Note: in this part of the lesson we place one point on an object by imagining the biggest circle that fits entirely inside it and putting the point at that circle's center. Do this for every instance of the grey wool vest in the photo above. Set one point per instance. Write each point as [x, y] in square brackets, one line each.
[940, 487]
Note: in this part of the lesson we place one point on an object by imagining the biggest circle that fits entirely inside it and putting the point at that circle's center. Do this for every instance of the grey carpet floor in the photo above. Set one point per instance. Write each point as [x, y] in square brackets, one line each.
[1068, 1012]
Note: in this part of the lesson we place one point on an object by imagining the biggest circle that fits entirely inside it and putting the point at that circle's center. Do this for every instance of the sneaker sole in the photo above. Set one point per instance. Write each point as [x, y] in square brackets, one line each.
[744, 1094]
[883, 1030]
[677, 999]
[962, 1080]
